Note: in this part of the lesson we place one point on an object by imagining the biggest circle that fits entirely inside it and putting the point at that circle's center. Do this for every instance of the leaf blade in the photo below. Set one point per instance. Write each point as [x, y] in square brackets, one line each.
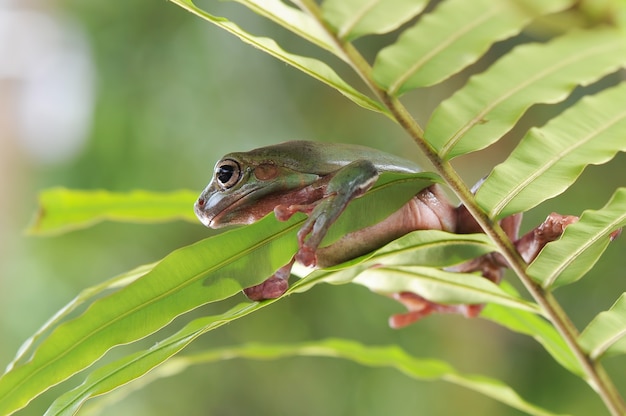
[84, 297]
[568, 259]
[440, 286]
[492, 102]
[151, 302]
[458, 33]
[208, 271]
[534, 326]
[295, 21]
[372, 356]
[430, 248]
[549, 159]
[133, 366]
[62, 210]
[606, 333]
[310, 66]
[355, 18]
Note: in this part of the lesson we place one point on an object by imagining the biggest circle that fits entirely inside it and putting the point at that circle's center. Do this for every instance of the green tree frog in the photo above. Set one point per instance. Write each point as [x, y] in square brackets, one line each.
[321, 179]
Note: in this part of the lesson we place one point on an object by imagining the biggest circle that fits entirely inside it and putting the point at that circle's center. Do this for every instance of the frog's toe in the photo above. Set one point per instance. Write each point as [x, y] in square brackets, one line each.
[272, 288]
[307, 256]
[419, 307]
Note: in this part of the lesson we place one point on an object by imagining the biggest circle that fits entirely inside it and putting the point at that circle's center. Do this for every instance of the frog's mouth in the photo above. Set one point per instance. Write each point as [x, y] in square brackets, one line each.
[221, 210]
[203, 216]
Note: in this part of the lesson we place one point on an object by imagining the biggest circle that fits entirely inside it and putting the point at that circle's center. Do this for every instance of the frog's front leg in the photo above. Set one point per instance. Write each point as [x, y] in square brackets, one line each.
[349, 182]
[273, 287]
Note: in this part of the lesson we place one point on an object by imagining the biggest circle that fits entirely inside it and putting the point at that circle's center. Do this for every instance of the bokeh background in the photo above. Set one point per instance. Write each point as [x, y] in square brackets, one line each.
[143, 95]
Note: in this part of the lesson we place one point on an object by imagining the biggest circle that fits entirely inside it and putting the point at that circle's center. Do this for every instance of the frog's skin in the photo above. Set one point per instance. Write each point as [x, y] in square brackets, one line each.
[320, 179]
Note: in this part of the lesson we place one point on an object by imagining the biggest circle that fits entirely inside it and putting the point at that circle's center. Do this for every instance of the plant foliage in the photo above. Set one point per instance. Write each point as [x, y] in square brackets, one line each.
[430, 45]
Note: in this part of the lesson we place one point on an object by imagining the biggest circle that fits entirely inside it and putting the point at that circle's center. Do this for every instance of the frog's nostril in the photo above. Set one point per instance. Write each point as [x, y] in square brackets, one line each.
[200, 202]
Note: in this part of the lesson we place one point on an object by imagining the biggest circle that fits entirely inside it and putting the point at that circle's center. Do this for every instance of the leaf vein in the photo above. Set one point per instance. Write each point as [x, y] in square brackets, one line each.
[578, 251]
[551, 162]
[479, 118]
[395, 86]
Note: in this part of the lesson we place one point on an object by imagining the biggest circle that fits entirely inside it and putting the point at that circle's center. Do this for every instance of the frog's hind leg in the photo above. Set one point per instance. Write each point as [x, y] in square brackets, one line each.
[273, 287]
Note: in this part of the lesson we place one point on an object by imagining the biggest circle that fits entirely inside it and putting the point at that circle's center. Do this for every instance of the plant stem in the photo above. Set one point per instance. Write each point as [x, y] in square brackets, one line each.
[595, 374]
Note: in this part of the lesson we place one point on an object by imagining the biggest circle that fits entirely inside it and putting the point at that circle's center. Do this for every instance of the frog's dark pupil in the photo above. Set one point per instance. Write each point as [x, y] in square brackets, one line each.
[225, 173]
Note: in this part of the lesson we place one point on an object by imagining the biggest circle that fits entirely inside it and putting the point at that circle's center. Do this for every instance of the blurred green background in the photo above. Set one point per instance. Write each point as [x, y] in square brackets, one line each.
[143, 95]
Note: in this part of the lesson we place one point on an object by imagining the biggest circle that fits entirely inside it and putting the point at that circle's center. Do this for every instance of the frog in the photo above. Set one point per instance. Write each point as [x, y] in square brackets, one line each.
[320, 179]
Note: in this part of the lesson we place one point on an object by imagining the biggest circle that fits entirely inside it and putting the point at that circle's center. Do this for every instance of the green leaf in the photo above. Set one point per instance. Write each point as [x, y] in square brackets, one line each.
[492, 102]
[310, 66]
[606, 333]
[534, 326]
[451, 37]
[136, 365]
[84, 297]
[574, 254]
[373, 356]
[439, 286]
[433, 248]
[296, 21]
[430, 248]
[354, 18]
[62, 210]
[549, 159]
[133, 366]
[208, 271]
[383, 271]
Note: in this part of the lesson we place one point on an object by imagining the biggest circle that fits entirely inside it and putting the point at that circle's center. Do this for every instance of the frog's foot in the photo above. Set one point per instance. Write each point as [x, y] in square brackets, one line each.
[615, 234]
[284, 212]
[530, 244]
[308, 246]
[307, 256]
[272, 288]
[419, 308]
[490, 266]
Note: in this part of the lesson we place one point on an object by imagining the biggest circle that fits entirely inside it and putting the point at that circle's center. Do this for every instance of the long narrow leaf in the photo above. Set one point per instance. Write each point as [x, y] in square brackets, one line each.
[296, 21]
[606, 333]
[433, 248]
[210, 270]
[517, 319]
[133, 366]
[534, 326]
[490, 104]
[549, 159]
[84, 297]
[355, 18]
[313, 67]
[451, 37]
[568, 259]
[425, 247]
[425, 369]
[62, 210]
[430, 248]
[439, 286]
[207, 271]
[136, 365]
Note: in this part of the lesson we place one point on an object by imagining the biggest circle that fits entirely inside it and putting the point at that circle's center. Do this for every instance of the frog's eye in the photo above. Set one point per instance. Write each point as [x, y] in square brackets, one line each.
[227, 173]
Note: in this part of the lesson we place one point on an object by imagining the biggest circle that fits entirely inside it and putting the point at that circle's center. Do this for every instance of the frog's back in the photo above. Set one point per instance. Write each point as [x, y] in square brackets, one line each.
[323, 158]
